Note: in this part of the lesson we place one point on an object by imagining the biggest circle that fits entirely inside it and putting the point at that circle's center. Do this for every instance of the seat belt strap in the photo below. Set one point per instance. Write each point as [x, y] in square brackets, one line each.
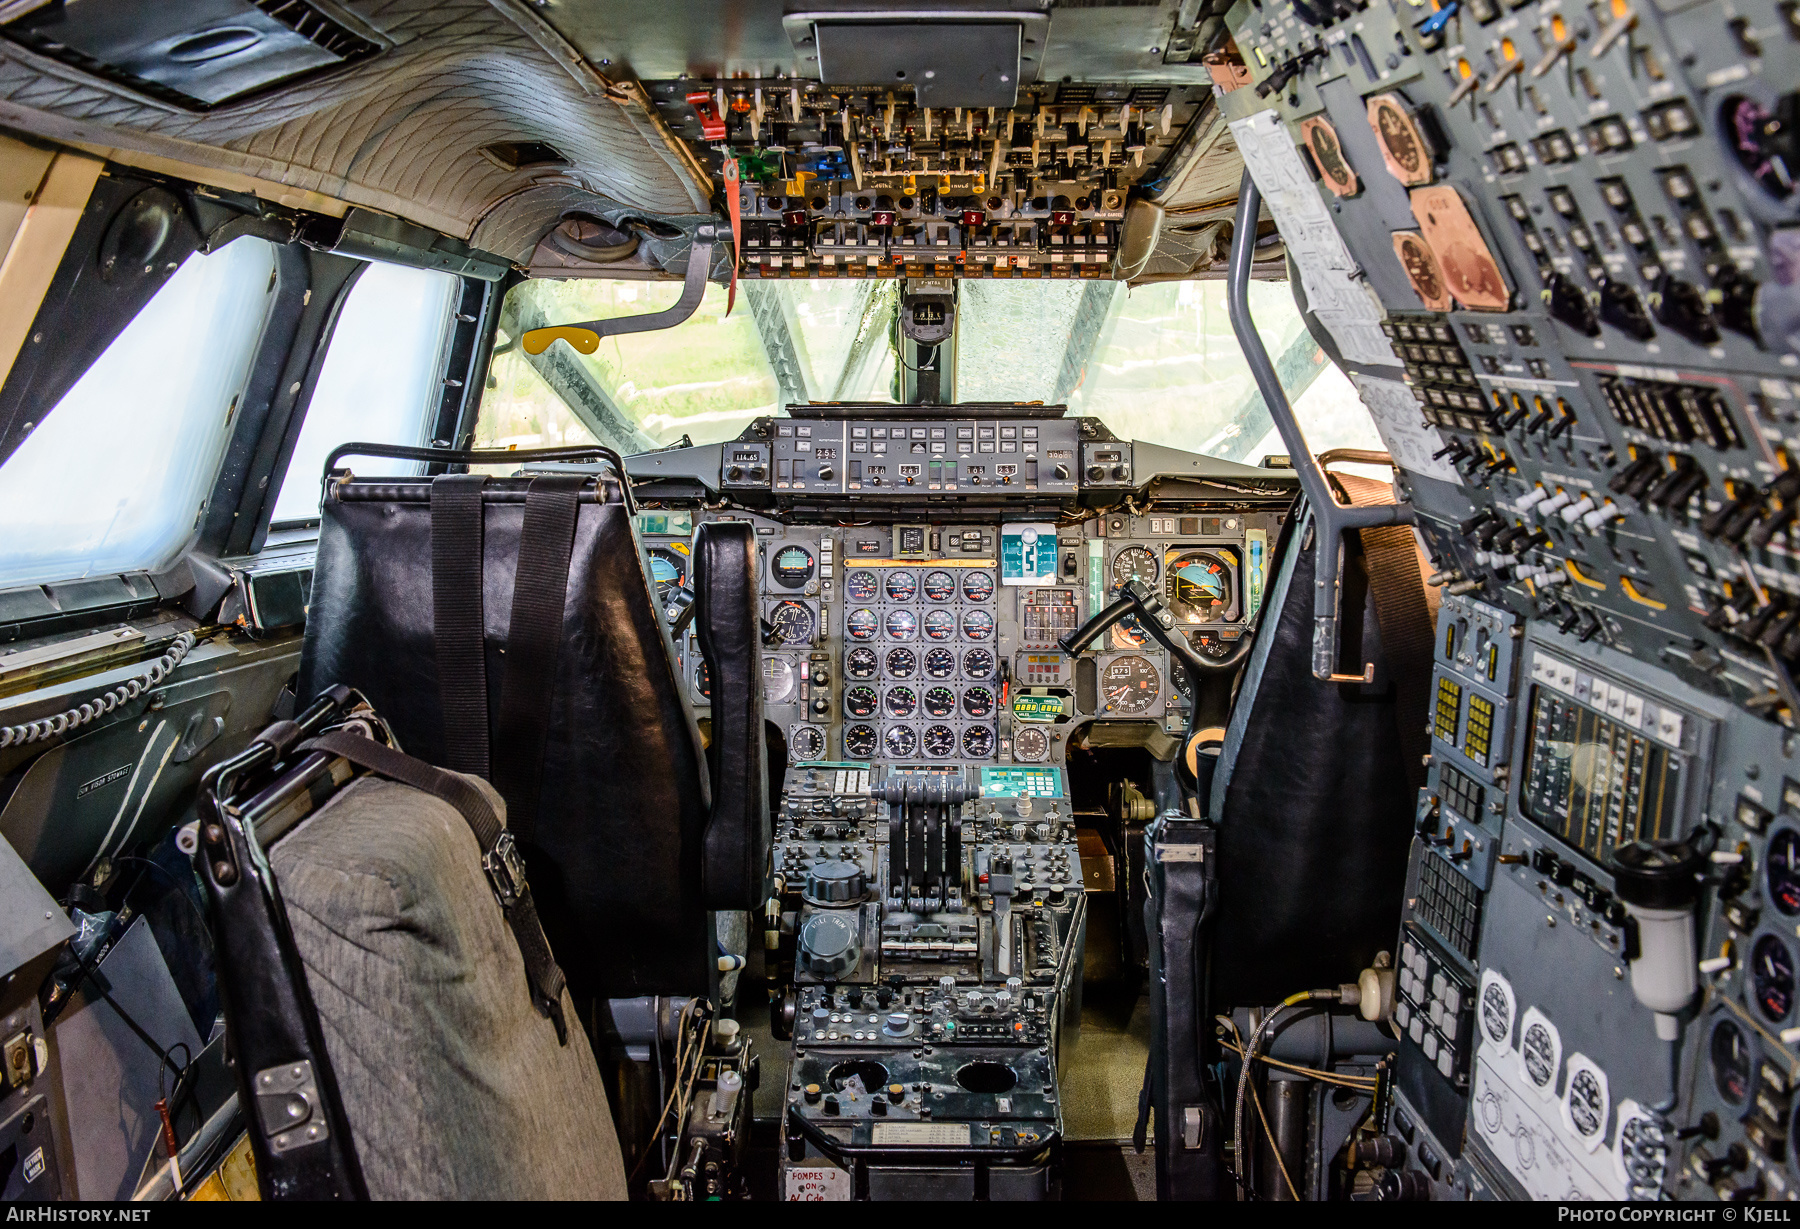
[458, 630]
[533, 641]
[499, 855]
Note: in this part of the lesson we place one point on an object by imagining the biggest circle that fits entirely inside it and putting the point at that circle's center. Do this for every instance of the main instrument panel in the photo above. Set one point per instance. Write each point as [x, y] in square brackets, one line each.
[903, 629]
[895, 643]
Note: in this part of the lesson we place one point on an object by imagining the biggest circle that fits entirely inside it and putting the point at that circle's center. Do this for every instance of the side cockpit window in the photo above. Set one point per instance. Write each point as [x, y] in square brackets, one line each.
[380, 380]
[115, 476]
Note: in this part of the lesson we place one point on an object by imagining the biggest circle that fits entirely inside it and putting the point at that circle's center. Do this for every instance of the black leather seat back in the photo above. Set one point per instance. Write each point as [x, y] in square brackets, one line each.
[1313, 797]
[615, 845]
[728, 623]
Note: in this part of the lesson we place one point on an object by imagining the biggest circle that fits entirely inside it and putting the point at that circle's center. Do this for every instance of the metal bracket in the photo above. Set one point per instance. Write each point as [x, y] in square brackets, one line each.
[506, 870]
[289, 1108]
[1332, 519]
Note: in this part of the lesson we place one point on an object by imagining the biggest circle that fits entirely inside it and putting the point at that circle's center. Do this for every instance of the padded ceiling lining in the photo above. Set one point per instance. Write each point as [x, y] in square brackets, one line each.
[400, 133]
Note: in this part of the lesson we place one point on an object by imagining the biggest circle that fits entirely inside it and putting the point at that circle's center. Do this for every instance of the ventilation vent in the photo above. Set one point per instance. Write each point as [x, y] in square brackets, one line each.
[512, 155]
[196, 54]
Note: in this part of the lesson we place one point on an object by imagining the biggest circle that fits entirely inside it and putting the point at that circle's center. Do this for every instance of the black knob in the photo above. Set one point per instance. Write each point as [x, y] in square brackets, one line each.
[1062, 472]
[1707, 1126]
[758, 473]
[826, 473]
[1121, 472]
[1403, 1186]
[821, 706]
[734, 473]
[1096, 473]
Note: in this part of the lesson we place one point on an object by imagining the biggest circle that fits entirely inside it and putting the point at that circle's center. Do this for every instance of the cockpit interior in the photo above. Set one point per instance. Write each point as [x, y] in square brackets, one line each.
[820, 600]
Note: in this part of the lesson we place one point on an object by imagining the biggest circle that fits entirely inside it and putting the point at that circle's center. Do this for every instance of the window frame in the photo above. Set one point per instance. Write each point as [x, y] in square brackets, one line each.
[432, 417]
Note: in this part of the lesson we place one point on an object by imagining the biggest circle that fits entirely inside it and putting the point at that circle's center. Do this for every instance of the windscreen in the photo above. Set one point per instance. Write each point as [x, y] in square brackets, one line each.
[1157, 363]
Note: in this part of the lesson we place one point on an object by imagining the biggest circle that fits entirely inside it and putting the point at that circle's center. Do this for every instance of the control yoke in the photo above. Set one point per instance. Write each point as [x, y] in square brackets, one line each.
[1138, 598]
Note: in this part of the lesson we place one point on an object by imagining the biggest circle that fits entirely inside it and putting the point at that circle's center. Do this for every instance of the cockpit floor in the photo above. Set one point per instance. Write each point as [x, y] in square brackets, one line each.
[1103, 1069]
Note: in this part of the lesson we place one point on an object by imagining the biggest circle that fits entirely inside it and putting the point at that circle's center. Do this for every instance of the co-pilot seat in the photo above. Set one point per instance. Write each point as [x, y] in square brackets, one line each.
[505, 627]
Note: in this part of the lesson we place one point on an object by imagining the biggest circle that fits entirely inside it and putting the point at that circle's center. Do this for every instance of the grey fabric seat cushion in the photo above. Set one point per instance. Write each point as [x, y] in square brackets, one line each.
[454, 1085]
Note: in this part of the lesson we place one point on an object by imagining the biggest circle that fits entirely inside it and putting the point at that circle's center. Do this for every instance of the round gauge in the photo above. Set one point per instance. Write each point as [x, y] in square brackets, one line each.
[940, 663]
[859, 742]
[668, 572]
[1199, 588]
[939, 701]
[940, 740]
[940, 624]
[861, 624]
[1128, 634]
[861, 663]
[781, 680]
[794, 620]
[901, 663]
[978, 586]
[1731, 1062]
[1133, 563]
[1783, 870]
[1178, 679]
[978, 663]
[1030, 744]
[1129, 685]
[860, 701]
[1586, 1101]
[1772, 977]
[1539, 1053]
[702, 680]
[901, 586]
[978, 742]
[806, 742]
[902, 625]
[939, 586]
[978, 701]
[977, 625]
[861, 586]
[793, 567]
[900, 702]
[900, 741]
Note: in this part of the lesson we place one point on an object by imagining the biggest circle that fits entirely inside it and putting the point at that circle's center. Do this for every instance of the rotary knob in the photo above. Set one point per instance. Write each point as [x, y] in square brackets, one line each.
[830, 945]
[835, 882]
[899, 1024]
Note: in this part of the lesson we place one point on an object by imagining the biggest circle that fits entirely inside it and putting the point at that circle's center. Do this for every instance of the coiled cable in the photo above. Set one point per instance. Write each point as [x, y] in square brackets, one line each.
[100, 705]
